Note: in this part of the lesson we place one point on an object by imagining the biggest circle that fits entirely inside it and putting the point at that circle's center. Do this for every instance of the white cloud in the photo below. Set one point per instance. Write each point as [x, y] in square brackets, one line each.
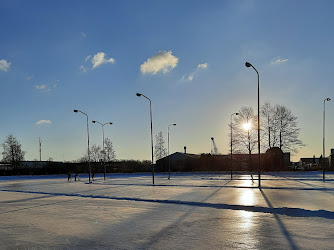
[202, 66]
[43, 122]
[87, 58]
[163, 61]
[190, 77]
[100, 58]
[83, 35]
[41, 87]
[279, 61]
[4, 65]
[82, 68]
[46, 87]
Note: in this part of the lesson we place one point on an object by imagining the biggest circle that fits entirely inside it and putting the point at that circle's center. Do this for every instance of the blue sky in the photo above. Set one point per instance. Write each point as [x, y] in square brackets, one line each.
[186, 56]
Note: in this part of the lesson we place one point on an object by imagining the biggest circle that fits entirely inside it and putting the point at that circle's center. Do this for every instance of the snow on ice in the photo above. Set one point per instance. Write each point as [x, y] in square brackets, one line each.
[190, 211]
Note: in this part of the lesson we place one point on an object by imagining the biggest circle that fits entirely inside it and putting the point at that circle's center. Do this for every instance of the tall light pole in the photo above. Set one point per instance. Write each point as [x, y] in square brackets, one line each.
[90, 171]
[104, 153]
[40, 149]
[138, 94]
[323, 141]
[247, 64]
[174, 124]
[231, 143]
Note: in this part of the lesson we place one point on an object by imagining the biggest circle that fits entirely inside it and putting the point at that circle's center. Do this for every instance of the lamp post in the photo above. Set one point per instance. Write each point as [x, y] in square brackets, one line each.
[247, 126]
[138, 94]
[323, 141]
[231, 143]
[90, 171]
[247, 64]
[174, 124]
[104, 153]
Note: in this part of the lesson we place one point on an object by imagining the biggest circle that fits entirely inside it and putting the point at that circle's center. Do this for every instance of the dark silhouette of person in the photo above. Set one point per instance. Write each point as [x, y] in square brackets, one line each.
[68, 176]
[93, 175]
[76, 176]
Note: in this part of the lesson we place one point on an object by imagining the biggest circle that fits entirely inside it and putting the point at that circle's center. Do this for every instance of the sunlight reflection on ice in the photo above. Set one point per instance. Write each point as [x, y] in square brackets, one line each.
[247, 218]
[247, 199]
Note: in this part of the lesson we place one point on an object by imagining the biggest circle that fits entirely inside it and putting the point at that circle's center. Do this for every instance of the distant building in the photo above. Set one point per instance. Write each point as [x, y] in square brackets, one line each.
[310, 163]
[37, 164]
[5, 167]
[273, 160]
[178, 162]
[32, 167]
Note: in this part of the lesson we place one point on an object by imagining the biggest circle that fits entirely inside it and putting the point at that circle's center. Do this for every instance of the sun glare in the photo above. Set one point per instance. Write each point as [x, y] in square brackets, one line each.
[247, 199]
[247, 126]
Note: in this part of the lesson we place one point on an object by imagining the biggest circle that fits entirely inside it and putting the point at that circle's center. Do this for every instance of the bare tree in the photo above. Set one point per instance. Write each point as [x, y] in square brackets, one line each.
[244, 131]
[287, 129]
[280, 128]
[12, 151]
[95, 152]
[267, 113]
[109, 150]
[160, 150]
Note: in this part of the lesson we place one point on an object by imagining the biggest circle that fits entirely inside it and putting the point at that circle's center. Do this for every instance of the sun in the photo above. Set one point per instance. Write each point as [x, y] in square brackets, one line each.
[247, 126]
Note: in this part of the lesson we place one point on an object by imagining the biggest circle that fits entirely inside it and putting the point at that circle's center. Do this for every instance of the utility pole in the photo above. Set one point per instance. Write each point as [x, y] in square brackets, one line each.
[323, 141]
[40, 149]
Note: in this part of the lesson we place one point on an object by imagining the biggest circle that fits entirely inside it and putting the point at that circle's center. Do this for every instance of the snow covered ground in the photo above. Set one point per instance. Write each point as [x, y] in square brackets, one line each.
[190, 211]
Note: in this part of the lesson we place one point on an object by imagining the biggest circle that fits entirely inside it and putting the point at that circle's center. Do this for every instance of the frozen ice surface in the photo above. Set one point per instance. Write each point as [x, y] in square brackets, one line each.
[190, 211]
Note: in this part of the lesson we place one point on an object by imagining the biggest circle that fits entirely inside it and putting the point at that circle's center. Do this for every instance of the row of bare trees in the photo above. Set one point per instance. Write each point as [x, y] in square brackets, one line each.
[97, 154]
[279, 128]
[13, 153]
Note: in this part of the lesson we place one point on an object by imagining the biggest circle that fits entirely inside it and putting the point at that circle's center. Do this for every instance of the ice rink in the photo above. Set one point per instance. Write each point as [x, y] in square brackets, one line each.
[190, 211]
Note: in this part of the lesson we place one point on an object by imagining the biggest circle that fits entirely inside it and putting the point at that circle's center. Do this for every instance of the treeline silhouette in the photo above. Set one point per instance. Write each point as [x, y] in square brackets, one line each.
[52, 167]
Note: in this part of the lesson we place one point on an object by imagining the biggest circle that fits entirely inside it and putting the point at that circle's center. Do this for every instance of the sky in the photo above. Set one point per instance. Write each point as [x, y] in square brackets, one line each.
[188, 57]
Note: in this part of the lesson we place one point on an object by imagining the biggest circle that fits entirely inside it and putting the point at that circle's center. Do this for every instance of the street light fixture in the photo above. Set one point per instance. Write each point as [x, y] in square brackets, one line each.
[231, 143]
[247, 64]
[90, 171]
[138, 94]
[323, 141]
[174, 124]
[104, 153]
